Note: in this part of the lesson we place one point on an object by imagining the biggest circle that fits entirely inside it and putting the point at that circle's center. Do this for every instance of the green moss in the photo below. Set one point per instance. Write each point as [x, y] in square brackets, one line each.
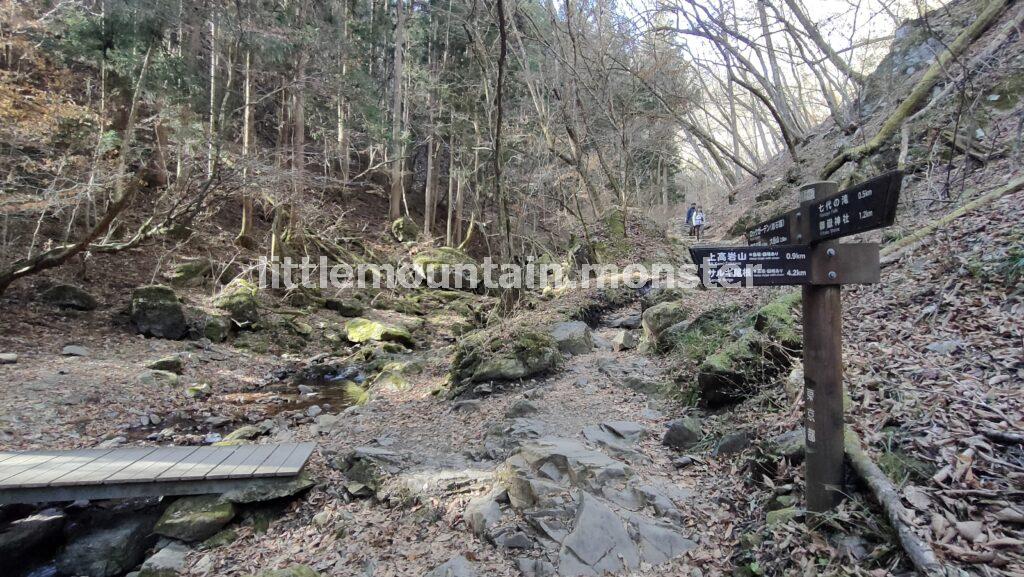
[361, 330]
[239, 299]
[404, 229]
[776, 320]
[192, 272]
[704, 335]
[356, 394]
[195, 518]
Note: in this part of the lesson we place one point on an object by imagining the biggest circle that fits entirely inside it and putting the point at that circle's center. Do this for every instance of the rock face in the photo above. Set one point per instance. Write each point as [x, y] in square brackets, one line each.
[67, 296]
[360, 330]
[239, 300]
[111, 550]
[195, 518]
[156, 312]
[573, 337]
[581, 506]
[683, 434]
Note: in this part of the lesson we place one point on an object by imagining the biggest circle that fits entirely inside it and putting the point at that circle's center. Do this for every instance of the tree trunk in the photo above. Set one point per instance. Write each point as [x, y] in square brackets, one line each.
[398, 152]
[244, 238]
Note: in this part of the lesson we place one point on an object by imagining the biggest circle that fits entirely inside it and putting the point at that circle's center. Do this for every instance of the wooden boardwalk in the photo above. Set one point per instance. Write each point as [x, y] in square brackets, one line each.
[41, 476]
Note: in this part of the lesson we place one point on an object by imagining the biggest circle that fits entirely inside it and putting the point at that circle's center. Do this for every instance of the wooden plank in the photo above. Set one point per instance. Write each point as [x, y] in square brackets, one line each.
[26, 461]
[149, 468]
[45, 472]
[226, 467]
[105, 466]
[64, 465]
[297, 460]
[8, 455]
[198, 464]
[278, 458]
[252, 462]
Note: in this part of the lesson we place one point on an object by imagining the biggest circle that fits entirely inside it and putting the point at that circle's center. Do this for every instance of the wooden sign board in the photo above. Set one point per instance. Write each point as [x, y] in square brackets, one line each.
[861, 208]
[752, 266]
[775, 231]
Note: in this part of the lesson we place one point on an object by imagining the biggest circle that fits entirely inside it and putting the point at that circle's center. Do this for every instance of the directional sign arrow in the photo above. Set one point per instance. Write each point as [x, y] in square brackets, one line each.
[750, 266]
[778, 230]
[867, 206]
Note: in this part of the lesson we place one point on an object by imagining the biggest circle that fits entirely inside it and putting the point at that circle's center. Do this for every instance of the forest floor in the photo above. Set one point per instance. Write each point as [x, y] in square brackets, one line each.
[934, 363]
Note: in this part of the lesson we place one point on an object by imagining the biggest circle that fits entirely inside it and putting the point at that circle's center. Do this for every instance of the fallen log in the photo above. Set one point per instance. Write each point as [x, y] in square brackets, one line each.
[918, 551]
[894, 251]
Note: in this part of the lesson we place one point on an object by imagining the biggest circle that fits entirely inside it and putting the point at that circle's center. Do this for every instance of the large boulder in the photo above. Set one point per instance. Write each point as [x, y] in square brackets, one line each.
[157, 312]
[68, 296]
[660, 317]
[481, 358]
[361, 330]
[193, 519]
[573, 337]
[111, 549]
[24, 537]
[240, 300]
[404, 229]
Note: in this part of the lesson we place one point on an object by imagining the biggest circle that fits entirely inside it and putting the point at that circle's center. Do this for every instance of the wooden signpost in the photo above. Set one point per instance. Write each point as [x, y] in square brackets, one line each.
[799, 248]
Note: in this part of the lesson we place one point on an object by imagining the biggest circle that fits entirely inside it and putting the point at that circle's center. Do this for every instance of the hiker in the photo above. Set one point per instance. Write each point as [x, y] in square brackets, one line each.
[698, 222]
[689, 217]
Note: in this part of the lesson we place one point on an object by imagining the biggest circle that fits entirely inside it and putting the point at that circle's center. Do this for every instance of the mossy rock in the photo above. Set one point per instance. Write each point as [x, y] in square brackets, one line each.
[158, 378]
[739, 228]
[480, 358]
[404, 229]
[660, 317]
[448, 267]
[194, 519]
[240, 299]
[702, 336]
[781, 516]
[730, 375]
[361, 330]
[657, 296]
[615, 223]
[217, 328]
[156, 311]
[191, 273]
[777, 321]
[171, 363]
[68, 296]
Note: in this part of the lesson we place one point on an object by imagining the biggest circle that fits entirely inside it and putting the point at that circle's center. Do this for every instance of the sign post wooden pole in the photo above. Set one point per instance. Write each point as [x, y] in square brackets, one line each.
[823, 378]
[800, 247]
